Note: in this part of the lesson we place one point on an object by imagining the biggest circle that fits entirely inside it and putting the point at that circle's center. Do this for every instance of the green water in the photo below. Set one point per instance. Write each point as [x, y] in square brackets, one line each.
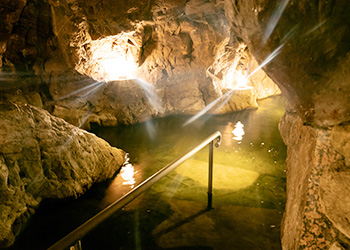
[248, 187]
[154, 144]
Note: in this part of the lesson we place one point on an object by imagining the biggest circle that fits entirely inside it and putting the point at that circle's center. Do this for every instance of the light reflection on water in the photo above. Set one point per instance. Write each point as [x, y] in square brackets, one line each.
[127, 173]
[125, 181]
[254, 132]
[238, 132]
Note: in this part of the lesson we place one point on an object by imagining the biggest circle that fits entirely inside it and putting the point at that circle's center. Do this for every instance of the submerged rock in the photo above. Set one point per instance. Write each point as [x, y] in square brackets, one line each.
[42, 156]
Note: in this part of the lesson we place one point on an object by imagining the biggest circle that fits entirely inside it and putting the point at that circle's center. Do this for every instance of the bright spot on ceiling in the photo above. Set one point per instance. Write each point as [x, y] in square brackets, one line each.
[111, 58]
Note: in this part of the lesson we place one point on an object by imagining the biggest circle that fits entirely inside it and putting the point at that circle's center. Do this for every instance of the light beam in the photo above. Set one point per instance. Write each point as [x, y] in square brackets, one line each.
[271, 25]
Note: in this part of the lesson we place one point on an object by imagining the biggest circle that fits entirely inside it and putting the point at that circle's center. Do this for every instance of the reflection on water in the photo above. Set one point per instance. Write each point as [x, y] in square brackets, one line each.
[238, 132]
[127, 173]
[248, 171]
[248, 166]
[124, 182]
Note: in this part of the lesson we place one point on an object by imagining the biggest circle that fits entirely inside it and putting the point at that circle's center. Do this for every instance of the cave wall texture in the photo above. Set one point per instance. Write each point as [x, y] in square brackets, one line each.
[311, 43]
[177, 44]
[173, 42]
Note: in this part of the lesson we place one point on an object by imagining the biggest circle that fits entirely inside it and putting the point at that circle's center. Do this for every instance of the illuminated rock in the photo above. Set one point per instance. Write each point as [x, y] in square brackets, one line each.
[172, 43]
[42, 156]
[311, 66]
[262, 84]
[240, 99]
[173, 53]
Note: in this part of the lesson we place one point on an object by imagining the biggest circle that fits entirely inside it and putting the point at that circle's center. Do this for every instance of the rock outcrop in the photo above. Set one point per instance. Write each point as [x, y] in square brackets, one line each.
[41, 157]
[174, 45]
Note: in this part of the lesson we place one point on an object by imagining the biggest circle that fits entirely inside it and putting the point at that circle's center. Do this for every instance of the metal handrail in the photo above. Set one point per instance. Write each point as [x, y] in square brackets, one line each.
[82, 230]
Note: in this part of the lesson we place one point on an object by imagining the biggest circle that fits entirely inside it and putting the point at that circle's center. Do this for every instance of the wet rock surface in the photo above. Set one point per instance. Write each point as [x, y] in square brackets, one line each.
[41, 157]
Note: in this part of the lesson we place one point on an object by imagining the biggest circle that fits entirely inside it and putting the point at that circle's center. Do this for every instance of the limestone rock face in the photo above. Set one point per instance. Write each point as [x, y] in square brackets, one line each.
[42, 156]
[262, 84]
[309, 44]
[173, 43]
[304, 47]
[318, 206]
[334, 183]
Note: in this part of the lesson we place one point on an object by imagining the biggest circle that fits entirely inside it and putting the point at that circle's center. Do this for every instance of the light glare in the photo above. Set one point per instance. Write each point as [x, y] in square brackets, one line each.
[110, 58]
[127, 174]
[238, 132]
[118, 68]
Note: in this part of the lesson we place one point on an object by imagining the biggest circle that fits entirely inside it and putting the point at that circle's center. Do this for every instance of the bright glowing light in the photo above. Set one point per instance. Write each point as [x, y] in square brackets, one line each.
[316, 27]
[241, 81]
[118, 68]
[228, 78]
[151, 94]
[127, 173]
[238, 132]
[235, 79]
[220, 100]
[84, 91]
[111, 58]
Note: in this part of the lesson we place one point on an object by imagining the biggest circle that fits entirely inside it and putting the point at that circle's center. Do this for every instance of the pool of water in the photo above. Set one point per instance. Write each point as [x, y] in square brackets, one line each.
[248, 187]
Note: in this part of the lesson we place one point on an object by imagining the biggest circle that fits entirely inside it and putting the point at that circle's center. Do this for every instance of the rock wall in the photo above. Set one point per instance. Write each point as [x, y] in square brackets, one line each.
[318, 174]
[308, 43]
[173, 44]
[305, 45]
[42, 156]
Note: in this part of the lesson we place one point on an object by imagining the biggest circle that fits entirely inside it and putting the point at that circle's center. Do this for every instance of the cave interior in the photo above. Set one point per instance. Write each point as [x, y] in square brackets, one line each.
[67, 67]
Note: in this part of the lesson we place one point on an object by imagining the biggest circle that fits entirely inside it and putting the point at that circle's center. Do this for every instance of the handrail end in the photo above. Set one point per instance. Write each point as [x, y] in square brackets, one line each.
[218, 139]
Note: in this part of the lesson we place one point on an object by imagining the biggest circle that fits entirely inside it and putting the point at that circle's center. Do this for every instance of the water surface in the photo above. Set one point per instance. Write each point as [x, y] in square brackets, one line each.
[248, 187]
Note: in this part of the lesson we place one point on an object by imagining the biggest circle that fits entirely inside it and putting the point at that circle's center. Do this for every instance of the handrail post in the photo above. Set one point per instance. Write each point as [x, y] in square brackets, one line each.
[210, 176]
[76, 246]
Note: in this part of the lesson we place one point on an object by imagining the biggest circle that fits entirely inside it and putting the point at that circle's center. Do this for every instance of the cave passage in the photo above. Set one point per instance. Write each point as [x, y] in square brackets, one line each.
[248, 196]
